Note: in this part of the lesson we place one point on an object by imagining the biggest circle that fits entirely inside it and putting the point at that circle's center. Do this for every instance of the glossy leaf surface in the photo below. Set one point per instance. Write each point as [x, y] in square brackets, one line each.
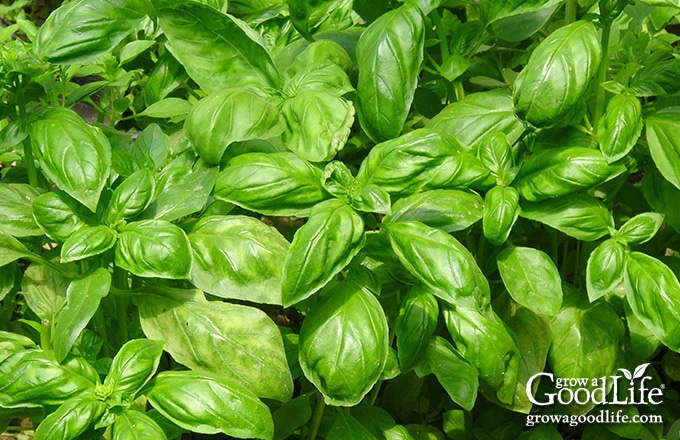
[82, 301]
[561, 171]
[389, 53]
[620, 128]
[531, 279]
[416, 325]
[234, 341]
[71, 419]
[271, 184]
[605, 268]
[228, 116]
[16, 201]
[154, 248]
[333, 235]
[440, 262]
[32, 378]
[580, 216]
[653, 292]
[207, 404]
[487, 343]
[131, 424]
[86, 242]
[501, 209]
[472, 120]
[663, 144]
[217, 50]
[133, 366]
[344, 344]
[446, 209]
[75, 155]
[238, 257]
[82, 31]
[418, 161]
[557, 74]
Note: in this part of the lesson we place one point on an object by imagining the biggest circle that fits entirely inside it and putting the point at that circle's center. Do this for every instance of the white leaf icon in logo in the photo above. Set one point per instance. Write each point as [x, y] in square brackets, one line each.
[626, 374]
[640, 371]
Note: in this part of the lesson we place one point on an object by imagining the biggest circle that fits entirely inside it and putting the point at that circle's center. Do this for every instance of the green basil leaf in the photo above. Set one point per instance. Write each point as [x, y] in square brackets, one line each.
[133, 366]
[318, 124]
[657, 78]
[517, 20]
[620, 127]
[154, 248]
[321, 66]
[217, 50]
[533, 336]
[389, 54]
[560, 171]
[662, 196]
[661, 137]
[531, 279]
[458, 377]
[416, 323]
[478, 116]
[489, 345]
[586, 343]
[238, 257]
[557, 74]
[131, 424]
[44, 290]
[175, 108]
[291, 416]
[234, 341]
[580, 216]
[208, 405]
[31, 378]
[332, 236]
[440, 262]
[418, 161]
[74, 154]
[8, 274]
[133, 49]
[347, 427]
[182, 188]
[220, 5]
[71, 419]
[82, 31]
[643, 343]
[149, 150]
[501, 209]
[604, 269]
[131, 197]
[11, 249]
[82, 301]
[372, 198]
[87, 242]
[640, 229]
[166, 76]
[16, 200]
[379, 422]
[281, 184]
[653, 293]
[315, 76]
[496, 154]
[228, 116]
[59, 215]
[446, 209]
[344, 344]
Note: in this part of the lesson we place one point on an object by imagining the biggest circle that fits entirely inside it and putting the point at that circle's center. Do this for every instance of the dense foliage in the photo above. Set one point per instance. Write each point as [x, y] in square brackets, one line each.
[346, 219]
